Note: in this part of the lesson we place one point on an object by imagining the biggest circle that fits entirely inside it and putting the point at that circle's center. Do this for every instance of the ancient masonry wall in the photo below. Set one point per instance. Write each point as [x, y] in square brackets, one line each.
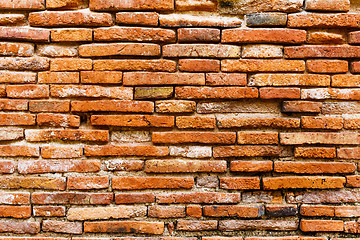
[179, 119]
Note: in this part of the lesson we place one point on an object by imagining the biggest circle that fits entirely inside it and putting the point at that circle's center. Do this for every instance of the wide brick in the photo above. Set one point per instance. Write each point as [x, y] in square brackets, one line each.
[198, 35]
[131, 198]
[16, 49]
[62, 227]
[56, 51]
[215, 92]
[17, 77]
[283, 36]
[175, 106]
[33, 183]
[24, 64]
[18, 151]
[337, 196]
[331, 93]
[131, 183]
[239, 183]
[14, 198]
[106, 212]
[123, 165]
[248, 151]
[190, 151]
[249, 6]
[101, 77]
[112, 106]
[49, 211]
[200, 197]
[71, 198]
[50, 166]
[339, 107]
[189, 20]
[251, 166]
[49, 106]
[301, 107]
[325, 37]
[136, 65]
[279, 93]
[266, 19]
[197, 5]
[58, 77]
[326, 5]
[257, 122]
[148, 78]
[134, 34]
[257, 138]
[23, 5]
[281, 210]
[115, 5]
[272, 183]
[262, 51]
[274, 225]
[11, 134]
[189, 122]
[233, 211]
[314, 167]
[327, 66]
[12, 19]
[317, 20]
[317, 210]
[71, 35]
[132, 120]
[199, 65]
[322, 122]
[137, 18]
[318, 138]
[119, 49]
[322, 226]
[27, 91]
[69, 18]
[201, 50]
[99, 182]
[195, 226]
[289, 80]
[315, 152]
[193, 137]
[7, 166]
[153, 92]
[235, 79]
[66, 135]
[114, 150]
[166, 211]
[70, 64]
[345, 81]
[308, 51]
[186, 166]
[257, 65]
[19, 227]
[57, 120]
[124, 227]
[70, 91]
[15, 211]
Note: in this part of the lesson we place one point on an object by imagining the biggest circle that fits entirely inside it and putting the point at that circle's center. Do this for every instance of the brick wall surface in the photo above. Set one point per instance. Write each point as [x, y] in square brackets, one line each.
[179, 119]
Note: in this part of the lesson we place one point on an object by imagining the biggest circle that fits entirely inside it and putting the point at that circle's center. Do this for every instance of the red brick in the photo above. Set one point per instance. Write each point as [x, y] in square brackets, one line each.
[57, 120]
[251, 166]
[351, 123]
[316, 20]
[301, 106]
[134, 34]
[275, 93]
[11, 134]
[23, 5]
[131, 183]
[272, 183]
[258, 122]
[65, 4]
[71, 198]
[12, 19]
[354, 37]
[49, 106]
[27, 91]
[189, 122]
[33, 183]
[24, 64]
[287, 36]
[322, 51]
[132, 120]
[58, 77]
[355, 67]
[257, 138]
[156, 228]
[318, 138]
[193, 137]
[137, 18]
[112, 106]
[106, 212]
[197, 5]
[248, 151]
[7, 166]
[215, 92]
[18, 151]
[15, 211]
[233, 211]
[277, 225]
[62, 227]
[71, 35]
[322, 122]
[61, 152]
[70, 91]
[19, 227]
[345, 81]
[199, 65]
[195, 226]
[131, 5]
[159, 65]
[327, 66]
[67, 135]
[353, 181]
[198, 35]
[198, 197]
[326, 5]
[49, 211]
[14, 198]
[257, 65]
[239, 183]
[166, 211]
[69, 18]
[113, 150]
[131, 198]
[70, 64]
[315, 152]
[317, 210]
[175, 106]
[289, 80]
[16, 49]
[17, 77]
[49, 166]
[119, 49]
[231, 79]
[325, 37]
[22, 33]
[201, 50]
[191, 20]
[101, 77]
[314, 167]
[186, 166]
[147, 78]
[322, 226]
[82, 183]
[194, 211]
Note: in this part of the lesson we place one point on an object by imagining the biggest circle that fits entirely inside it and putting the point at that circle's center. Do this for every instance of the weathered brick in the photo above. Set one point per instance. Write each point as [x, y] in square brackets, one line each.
[248, 151]
[326, 5]
[24, 64]
[58, 77]
[16, 49]
[188, 20]
[342, 196]
[27, 91]
[251, 166]
[11, 134]
[66, 135]
[106, 212]
[175, 106]
[130, 136]
[49, 106]
[22, 33]
[119, 49]
[153, 92]
[48, 166]
[272, 183]
[312, 20]
[266, 19]
[7, 166]
[132, 120]
[347, 211]
[351, 123]
[57, 120]
[69, 18]
[131, 198]
[249, 6]
[137, 18]
[345, 81]
[200, 197]
[61, 152]
[215, 92]
[201, 50]
[199, 65]
[11, 19]
[194, 226]
[314, 167]
[101, 77]
[327, 66]
[322, 226]
[315, 152]
[148, 78]
[134, 34]
[62, 227]
[197, 5]
[71, 35]
[257, 138]
[15, 198]
[15, 211]
[353, 181]
[130, 183]
[18, 151]
[187, 166]
[355, 67]
[289, 80]
[216, 79]
[49, 211]
[281, 210]
[193, 137]
[189, 122]
[19, 227]
[240, 183]
[318, 138]
[198, 35]
[274, 225]
[166, 211]
[71, 198]
[56, 51]
[70, 91]
[17, 77]
[233, 211]
[279, 93]
[348, 153]
[322, 122]
[70, 64]
[301, 106]
[112, 106]
[99, 182]
[340, 107]
[207, 182]
[114, 150]
[262, 51]
[194, 211]
[114, 5]
[123, 165]
[256, 65]
[190, 151]
[257, 122]
[159, 65]
[124, 227]
[308, 51]
[325, 37]
[65, 4]
[33, 183]
[317, 210]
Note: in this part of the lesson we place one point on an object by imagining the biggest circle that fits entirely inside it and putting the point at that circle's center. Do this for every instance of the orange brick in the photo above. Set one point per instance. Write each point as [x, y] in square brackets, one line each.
[87, 182]
[325, 37]
[13, 198]
[240, 183]
[257, 65]
[327, 66]
[279, 93]
[301, 106]
[195, 226]
[17, 77]
[159, 65]
[33, 183]
[131, 198]
[193, 137]
[137, 18]
[186, 166]
[7, 167]
[70, 64]
[231, 79]
[24, 5]
[66, 4]
[12, 19]
[251, 166]
[58, 77]
[198, 35]
[345, 81]
[57, 120]
[353, 181]
[191, 20]
[197, 5]
[113, 150]
[71, 35]
[61, 152]
[71, 198]
[318, 51]
[318, 138]
[124, 227]
[132, 120]
[326, 5]
[317, 211]
[194, 211]
[27, 91]
[11, 119]
[312, 20]
[101, 77]
[49, 211]
[273, 183]
[18, 151]
[48, 166]
[19, 227]
[257, 138]
[112, 106]
[199, 65]
[67, 135]
[322, 225]
[71, 91]
[15, 211]
[132, 5]
[314, 167]
[315, 152]
[189, 122]
[215, 92]
[233, 211]
[24, 64]
[16, 49]
[131, 183]
[119, 49]
[175, 106]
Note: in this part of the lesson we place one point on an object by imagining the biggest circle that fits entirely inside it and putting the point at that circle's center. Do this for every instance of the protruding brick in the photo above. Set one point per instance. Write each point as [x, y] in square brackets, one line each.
[11, 19]
[262, 51]
[23, 5]
[195, 226]
[279, 93]
[318, 138]
[175, 106]
[197, 5]
[70, 64]
[315, 152]
[27, 91]
[11, 134]
[281, 210]
[190, 151]
[16, 49]
[65, 4]
[301, 106]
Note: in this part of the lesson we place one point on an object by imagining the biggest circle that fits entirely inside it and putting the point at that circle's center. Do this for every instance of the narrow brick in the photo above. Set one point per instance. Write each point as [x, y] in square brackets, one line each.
[334, 196]
[251, 166]
[289, 80]
[322, 122]
[156, 228]
[16, 49]
[57, 120]
[231, 79]
[124, 165]
[351, 123]
[314, 167]
[157, 65]
[317, 210]
[215, 92]
[71, 35]
[15, 211]
[71, 198]
[248, 151]
[322, 226]
[113, 150]
[317, 20]
[315, 152]
[66, 4]
[193, 137]
[71, 91]
[318, 138]
[198, 35]
[119, 49]
[56, 51]
[200, 197]
[194, 211]
[327, 66]
[262, 51]
[239, 183]
[112, 106]
[62, 227]
[263, 19]
[353, 181]
[148, 78]
[131, 183]
[345, 81]
[272, 183]
[98, 182]
[166, 211]
[15, 198]
[257, 65]
[325, 37]
[201, 50]
[186, 166]
[70, 64]
[348, 153]
[49, 166]
[190, 20]
[61, 152]
[17, 77]
[58, 77]
[66, 135]
[115, 5]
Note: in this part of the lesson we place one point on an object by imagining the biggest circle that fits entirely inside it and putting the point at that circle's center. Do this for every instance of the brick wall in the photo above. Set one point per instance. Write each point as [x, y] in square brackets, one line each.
[179, 119]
